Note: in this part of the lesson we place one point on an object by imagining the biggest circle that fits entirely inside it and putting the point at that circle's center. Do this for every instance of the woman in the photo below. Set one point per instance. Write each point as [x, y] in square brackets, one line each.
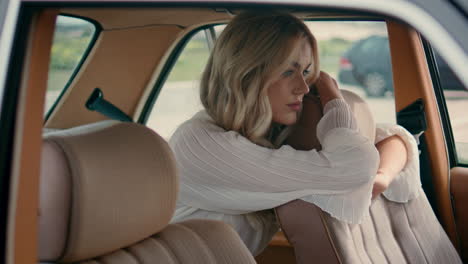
[231, 160]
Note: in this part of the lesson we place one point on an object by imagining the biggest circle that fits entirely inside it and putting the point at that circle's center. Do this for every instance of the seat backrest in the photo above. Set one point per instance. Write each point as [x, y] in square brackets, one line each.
[394, 232]
[107, 193]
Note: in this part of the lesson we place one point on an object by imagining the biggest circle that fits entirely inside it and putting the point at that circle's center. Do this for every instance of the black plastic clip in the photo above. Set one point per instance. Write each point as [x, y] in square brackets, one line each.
[96, 102]
[413, 117]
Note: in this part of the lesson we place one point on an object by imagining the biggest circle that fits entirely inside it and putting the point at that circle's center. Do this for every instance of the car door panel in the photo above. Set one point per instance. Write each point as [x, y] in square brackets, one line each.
[28, 140]
[412, 81]
[154, 41]
[8, 18]
[459, 192]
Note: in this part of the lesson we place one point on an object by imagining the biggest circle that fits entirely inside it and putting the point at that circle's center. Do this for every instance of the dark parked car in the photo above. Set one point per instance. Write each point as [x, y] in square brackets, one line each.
[367, 63]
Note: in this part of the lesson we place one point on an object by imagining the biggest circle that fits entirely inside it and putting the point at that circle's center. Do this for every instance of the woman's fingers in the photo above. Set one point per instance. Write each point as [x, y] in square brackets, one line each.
[327, 88]
[325, 81]
[381, 184]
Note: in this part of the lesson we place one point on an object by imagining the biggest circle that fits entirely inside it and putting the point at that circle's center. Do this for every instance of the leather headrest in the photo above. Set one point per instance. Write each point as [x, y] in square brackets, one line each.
[304, 136]
[302, 222]
[103, 187]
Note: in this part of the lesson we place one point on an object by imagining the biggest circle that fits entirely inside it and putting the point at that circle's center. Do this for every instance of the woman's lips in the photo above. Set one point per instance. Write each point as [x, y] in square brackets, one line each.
[295, 106]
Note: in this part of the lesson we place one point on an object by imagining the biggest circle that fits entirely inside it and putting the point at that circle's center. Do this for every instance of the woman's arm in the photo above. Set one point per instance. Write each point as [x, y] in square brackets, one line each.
[221, 157]
[406, 185]
[393, 157]
[225, 172]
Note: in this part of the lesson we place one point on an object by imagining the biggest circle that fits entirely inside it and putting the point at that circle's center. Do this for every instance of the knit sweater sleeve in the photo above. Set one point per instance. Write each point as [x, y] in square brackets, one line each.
[407, 185]
[223, 171]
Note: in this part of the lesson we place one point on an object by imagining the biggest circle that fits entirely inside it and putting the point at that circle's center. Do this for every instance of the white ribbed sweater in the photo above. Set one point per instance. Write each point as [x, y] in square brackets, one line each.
[226, 177]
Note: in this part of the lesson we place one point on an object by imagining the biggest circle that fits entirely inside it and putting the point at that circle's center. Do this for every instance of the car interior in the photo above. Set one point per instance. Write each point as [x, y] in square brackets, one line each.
[96, 179]
[94, 220]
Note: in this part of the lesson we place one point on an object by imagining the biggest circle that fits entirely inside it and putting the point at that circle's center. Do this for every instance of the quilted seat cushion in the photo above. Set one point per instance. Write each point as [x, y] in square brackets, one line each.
[193, 241]
[393, 233]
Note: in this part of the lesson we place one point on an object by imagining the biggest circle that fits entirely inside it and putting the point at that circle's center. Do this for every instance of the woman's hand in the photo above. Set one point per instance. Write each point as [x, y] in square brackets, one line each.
[381, 184]
[393, 157]
[327, 88]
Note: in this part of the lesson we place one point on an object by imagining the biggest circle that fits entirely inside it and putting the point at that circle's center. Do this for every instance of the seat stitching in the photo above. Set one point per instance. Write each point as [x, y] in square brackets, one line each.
[138, 260]
[330, 239]
[355, 243]
[161, 241]
[392, 230]
[379, 242]
[411, 228]
[212, 256]
[364, 243]
[65, 151]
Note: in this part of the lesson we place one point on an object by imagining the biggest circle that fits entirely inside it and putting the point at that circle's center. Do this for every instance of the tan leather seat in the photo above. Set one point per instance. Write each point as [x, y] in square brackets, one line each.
[394, 232]
[107, 193]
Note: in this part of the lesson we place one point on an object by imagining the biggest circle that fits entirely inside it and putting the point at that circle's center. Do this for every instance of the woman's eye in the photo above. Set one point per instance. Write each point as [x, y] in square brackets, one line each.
[287, 73]
[306, 72]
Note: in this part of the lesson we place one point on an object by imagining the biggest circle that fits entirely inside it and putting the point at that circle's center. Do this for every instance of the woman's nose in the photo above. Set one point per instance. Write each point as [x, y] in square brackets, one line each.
[301, 86]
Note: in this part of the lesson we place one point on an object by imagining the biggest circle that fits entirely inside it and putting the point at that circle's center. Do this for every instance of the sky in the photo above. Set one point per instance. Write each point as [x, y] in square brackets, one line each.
[324, 30]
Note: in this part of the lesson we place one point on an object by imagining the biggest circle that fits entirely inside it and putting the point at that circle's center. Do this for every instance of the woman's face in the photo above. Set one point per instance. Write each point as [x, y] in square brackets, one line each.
[288, 90]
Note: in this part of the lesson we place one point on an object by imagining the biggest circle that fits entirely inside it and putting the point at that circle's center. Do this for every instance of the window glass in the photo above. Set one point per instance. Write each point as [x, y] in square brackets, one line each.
[355, 53]
[456, 96]
[72, 37]
[179, 99]
[218, 29]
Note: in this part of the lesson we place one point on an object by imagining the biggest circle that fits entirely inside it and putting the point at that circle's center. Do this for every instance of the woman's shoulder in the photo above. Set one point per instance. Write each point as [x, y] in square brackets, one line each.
[198, 123]
[202, 120]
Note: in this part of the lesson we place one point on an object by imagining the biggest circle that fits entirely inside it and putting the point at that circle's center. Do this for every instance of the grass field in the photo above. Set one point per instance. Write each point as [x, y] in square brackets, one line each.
[189, 65]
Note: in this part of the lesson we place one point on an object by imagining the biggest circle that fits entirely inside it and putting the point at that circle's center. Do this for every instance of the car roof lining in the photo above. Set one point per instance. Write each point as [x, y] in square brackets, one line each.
[120, 18]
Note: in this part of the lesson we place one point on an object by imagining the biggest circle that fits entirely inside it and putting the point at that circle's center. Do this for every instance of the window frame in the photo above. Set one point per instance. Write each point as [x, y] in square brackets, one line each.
[169, 65]
[442, 106]
[10, 30]
[211, 37]
[98, 29]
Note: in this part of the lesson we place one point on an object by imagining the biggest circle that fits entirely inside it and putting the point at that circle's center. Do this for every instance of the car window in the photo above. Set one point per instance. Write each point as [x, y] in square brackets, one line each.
[218, 29]
[357, 55]
[72, 37]
[179, 99]
[367, 73]
[3, 12]
[372, 45]
[456, 99]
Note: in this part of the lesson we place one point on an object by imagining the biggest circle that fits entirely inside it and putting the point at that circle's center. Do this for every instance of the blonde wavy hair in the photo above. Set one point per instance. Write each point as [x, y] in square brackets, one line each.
[248, 56]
